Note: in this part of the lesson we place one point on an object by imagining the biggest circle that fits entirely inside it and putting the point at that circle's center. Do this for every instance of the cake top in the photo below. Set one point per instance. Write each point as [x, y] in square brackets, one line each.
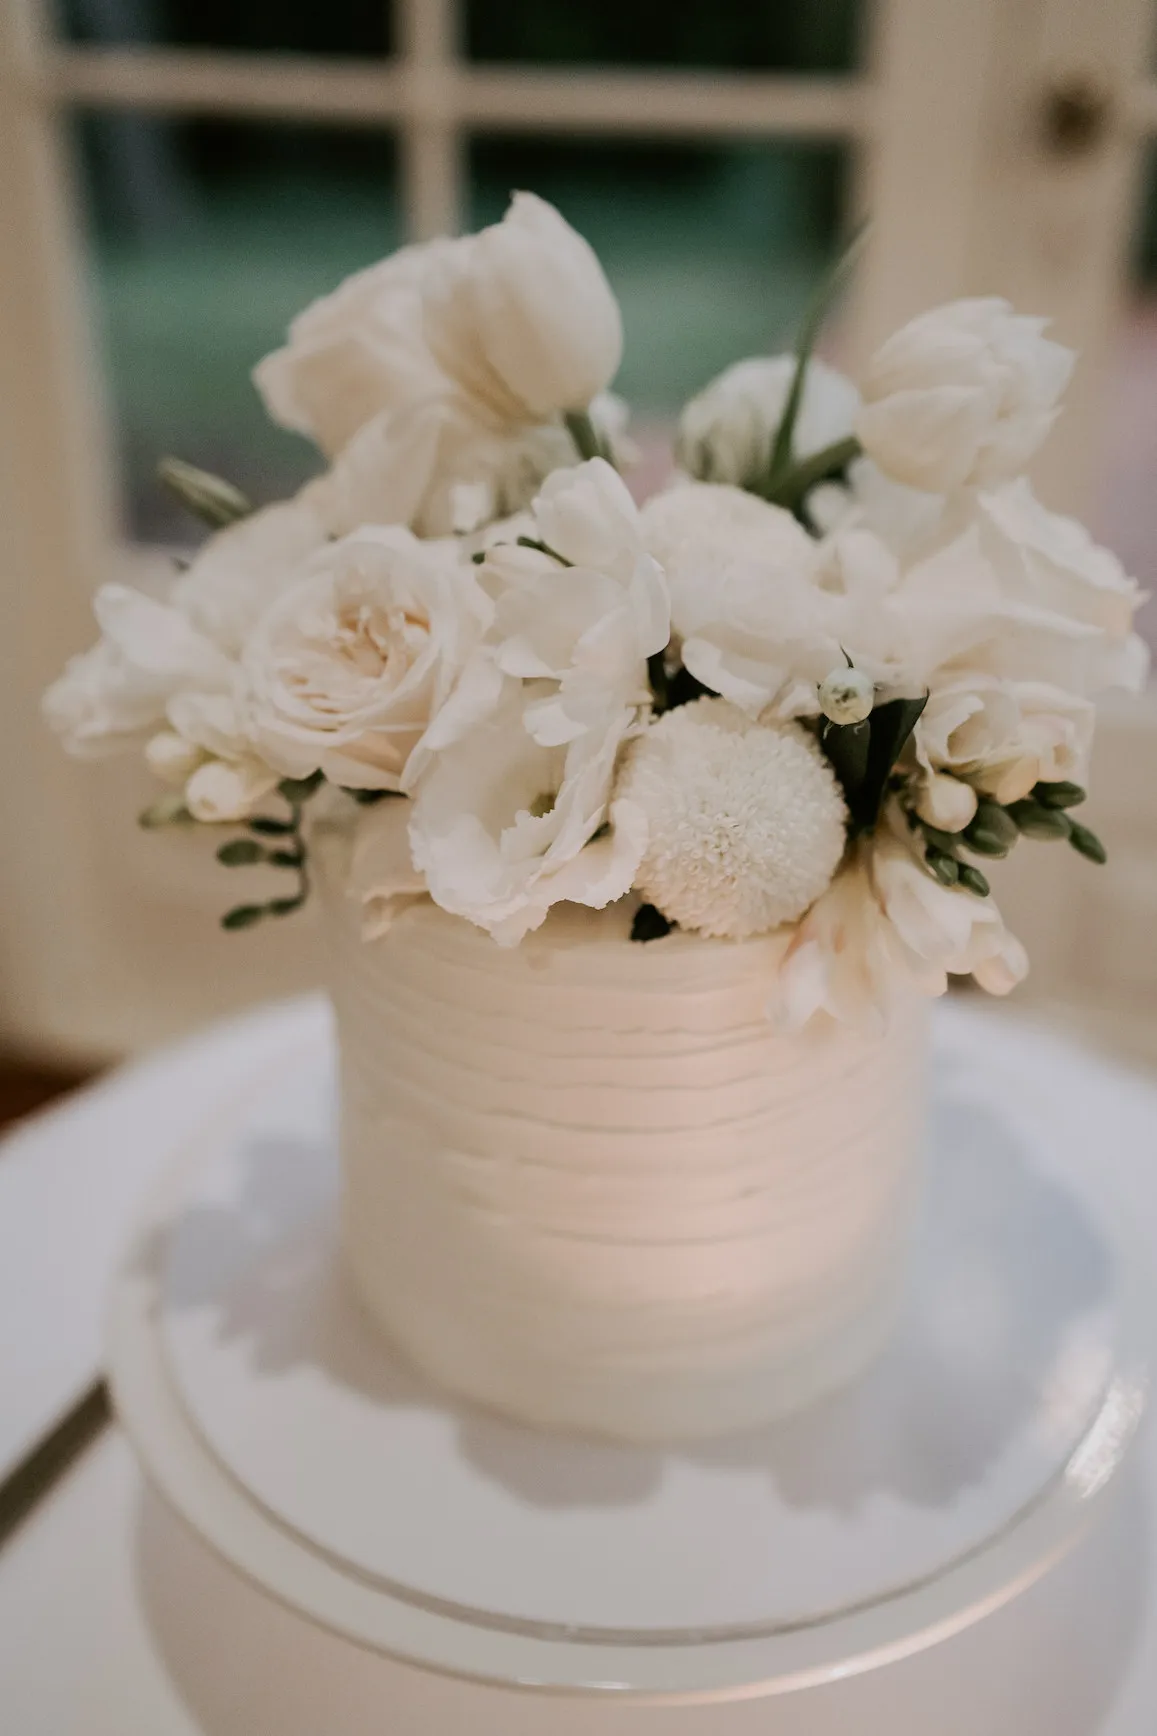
[806, 690]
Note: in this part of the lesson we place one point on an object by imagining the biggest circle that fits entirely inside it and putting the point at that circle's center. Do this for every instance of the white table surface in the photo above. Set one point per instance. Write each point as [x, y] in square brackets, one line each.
[79, 1655]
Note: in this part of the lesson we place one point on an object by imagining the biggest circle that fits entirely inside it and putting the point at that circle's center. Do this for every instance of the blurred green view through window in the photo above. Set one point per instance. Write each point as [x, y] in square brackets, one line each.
[205, 237]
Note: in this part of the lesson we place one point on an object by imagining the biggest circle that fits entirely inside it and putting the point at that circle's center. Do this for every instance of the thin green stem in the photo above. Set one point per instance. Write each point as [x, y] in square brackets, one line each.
[795, 486]
[585, 435]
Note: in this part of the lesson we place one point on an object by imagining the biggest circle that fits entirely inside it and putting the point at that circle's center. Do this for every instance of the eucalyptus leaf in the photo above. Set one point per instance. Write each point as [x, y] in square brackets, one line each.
[270, 828]
[241, 853]
[243, 916]
[298, 790]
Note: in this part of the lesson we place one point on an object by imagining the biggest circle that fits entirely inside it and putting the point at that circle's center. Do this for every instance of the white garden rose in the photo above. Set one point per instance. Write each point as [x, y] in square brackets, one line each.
[503, 827]
[347, 669]
[115, 695]
[522, 317]
[727, 432]
[961, 397]
[238, 572]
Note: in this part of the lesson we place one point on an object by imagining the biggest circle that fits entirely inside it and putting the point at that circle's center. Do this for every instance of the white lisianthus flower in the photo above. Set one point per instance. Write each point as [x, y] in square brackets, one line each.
[962, 396]
[345, 672]
[171, 758]
[745, 822]
[503, 827]
[588, 626]
[115, 695]
[522, 316]
[727, 432]
[970, 720]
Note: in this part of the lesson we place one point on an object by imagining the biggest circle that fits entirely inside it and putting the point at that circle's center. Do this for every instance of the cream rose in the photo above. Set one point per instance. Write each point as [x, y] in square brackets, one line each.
[347, 669]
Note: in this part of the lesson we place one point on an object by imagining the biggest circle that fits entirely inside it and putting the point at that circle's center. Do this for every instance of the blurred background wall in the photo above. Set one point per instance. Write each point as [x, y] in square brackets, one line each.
[179, 177]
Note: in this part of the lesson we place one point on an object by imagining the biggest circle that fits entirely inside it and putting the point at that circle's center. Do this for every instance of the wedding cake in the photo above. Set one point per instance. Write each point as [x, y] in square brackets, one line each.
[645, 829]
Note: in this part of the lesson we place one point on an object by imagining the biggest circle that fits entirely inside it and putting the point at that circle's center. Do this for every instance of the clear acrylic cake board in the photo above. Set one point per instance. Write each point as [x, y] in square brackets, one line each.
[318, 1463]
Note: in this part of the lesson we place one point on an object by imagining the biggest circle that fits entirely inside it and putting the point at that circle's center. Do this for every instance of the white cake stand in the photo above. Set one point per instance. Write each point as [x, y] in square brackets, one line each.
[326, 1471]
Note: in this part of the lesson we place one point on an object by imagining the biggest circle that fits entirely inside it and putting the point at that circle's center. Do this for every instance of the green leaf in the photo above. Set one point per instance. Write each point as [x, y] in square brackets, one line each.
[973, 880]
[241, 853]
[210, 498]
[286, 858]
[269, 828]
[298, 790]
[847, 746]
[821, 304]
[1087, 842]
[1037, 822]
[798, 481]
[531, 542]
[649, 924]
[1059, 795]
[243, 916]
[890, 726]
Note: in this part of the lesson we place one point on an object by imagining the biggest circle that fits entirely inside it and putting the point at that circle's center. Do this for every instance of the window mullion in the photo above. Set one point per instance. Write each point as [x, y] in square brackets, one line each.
[431, 140]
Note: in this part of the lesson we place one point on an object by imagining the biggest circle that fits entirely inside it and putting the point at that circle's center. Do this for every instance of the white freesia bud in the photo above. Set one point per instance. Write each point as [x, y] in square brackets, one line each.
[171, 758]
[727, 432]
[228, 790]
[523, 317]
[846, 696]
[946, 803]
[962, 396]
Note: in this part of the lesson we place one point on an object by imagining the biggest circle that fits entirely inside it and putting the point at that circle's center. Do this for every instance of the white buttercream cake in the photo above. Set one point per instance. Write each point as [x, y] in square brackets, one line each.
[589, 1185]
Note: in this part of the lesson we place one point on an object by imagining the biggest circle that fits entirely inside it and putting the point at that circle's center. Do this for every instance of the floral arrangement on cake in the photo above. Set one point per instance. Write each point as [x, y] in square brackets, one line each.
[816, 683]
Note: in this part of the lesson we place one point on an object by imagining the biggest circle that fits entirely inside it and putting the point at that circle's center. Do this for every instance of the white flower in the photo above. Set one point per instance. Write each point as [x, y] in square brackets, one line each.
[1049, 569]
[588, 626]
[382, 877]
[522, 316]
[503, 828]
[171, 758]
[727, 432]
[346, 670]
[238, 572]
[745, 600]
[846, 695]
[745, 823]
[961, 396]
[885, 932]
[357, 352]
[970, 720]
[946, 802]
[115, 695]
[228, 790]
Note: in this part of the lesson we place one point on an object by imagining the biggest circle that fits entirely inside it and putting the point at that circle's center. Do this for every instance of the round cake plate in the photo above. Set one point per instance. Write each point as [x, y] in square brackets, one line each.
[297, 1445]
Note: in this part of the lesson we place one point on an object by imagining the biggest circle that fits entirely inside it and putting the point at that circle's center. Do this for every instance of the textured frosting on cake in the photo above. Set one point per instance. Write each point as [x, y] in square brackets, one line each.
[588, 1184]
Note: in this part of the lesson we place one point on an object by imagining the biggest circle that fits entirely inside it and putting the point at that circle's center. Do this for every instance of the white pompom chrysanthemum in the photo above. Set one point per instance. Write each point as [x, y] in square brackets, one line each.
[746, 822]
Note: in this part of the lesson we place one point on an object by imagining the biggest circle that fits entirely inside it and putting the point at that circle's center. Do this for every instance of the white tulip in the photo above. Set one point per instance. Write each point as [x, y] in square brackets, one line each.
[727, 432]
[961, 396]
[521, 316]
[946, 803]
